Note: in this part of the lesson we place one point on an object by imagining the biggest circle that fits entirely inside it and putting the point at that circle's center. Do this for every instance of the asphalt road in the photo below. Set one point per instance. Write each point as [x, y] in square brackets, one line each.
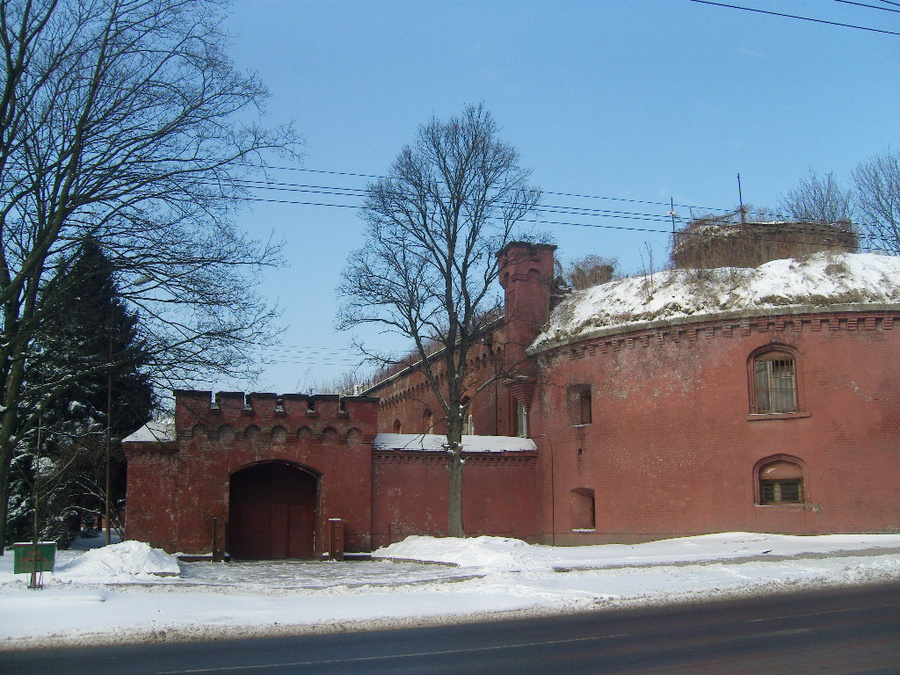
[855, 630]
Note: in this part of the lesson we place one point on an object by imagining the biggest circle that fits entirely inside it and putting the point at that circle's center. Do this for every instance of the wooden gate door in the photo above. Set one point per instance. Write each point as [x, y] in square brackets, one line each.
[272, 513]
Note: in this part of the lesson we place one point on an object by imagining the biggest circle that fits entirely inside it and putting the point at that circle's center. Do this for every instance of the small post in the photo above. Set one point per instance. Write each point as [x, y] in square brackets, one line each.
[336, 538]
[215, 541]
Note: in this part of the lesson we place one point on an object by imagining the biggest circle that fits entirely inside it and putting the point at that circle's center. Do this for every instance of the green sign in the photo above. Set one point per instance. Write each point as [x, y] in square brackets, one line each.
[27, 554]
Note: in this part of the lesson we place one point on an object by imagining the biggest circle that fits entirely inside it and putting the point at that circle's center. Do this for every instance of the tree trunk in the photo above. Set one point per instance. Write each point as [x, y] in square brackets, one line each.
[7, 425]
[454, 486]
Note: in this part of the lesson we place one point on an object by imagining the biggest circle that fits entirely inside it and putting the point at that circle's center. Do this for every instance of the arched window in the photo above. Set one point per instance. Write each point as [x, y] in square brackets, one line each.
[397, 426]
[780, 481]
[773, 382]
[428, 422]
[581, 509]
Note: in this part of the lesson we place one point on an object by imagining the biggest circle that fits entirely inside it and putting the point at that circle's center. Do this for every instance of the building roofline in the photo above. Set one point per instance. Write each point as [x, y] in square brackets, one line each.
[640, 326]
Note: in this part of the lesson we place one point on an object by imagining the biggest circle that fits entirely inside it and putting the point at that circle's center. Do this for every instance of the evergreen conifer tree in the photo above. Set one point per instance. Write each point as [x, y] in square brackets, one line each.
[87, 361]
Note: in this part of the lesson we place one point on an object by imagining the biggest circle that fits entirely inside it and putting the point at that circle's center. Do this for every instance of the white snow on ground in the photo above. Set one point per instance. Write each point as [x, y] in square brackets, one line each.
[120, 593]
[817, 280]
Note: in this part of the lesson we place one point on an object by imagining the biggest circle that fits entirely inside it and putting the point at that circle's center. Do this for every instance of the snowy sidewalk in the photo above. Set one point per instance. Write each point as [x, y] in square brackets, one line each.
[114, 594]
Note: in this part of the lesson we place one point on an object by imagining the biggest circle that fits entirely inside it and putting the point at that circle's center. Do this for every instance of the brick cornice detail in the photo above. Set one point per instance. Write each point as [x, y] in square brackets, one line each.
[676, 332]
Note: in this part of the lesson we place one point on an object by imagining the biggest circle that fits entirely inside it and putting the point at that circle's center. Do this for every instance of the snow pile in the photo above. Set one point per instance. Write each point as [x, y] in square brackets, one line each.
[497, 553]
[129, 560]
[819, 280]
[504, 554]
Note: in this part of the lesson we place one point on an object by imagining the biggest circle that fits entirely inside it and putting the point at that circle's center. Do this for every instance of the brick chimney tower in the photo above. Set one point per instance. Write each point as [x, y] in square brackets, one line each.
[526, 275]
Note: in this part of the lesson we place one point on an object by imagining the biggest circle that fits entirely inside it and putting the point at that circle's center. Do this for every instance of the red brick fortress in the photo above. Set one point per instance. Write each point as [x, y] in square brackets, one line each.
[628, 412]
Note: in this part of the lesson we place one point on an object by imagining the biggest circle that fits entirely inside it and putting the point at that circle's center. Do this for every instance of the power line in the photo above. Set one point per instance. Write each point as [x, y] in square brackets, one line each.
[796, 16]
[546, 192]
[548, 208]
[863, 4]
[649, 217]
[571, 210]
[622, 215]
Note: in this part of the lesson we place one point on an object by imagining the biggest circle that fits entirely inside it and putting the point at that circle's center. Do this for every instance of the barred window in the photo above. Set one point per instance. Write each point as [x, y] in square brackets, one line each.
[774, 383]
[781, 491]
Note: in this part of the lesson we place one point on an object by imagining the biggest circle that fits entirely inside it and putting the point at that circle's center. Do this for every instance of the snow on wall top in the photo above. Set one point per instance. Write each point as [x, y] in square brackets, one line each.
[159, 431]
[818, 280]
[164, 430]
[435, 443]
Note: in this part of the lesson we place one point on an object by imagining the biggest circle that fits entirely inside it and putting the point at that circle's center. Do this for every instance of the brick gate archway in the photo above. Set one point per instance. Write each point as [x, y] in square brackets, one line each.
[272, 512]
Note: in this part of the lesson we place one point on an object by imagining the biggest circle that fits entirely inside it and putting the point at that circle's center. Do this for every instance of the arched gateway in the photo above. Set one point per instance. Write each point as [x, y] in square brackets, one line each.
[272, 512]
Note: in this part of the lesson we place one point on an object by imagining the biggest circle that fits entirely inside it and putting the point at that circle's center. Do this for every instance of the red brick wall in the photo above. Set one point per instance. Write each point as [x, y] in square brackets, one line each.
[671, 447]
[411, 495]
[152, 489]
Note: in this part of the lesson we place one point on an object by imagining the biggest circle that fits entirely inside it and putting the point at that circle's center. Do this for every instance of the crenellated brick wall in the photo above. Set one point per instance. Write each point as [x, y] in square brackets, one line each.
[178, 488]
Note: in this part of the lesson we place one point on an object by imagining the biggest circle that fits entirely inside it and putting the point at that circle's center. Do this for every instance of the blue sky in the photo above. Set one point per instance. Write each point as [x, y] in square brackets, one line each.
[644, 100]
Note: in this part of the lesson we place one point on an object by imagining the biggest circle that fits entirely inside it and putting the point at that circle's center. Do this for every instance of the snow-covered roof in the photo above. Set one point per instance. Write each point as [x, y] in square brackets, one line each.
[159, 431]
[436, 442]
[819, 280]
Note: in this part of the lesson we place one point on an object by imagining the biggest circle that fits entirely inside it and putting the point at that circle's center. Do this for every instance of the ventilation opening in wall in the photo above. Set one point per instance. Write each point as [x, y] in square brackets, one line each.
[582, 515]
[579, 404]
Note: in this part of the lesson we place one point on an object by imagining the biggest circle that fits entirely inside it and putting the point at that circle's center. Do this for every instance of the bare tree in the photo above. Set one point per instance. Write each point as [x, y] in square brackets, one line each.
[435, 223]
[123, 121]
[819, 199]
[877, 183]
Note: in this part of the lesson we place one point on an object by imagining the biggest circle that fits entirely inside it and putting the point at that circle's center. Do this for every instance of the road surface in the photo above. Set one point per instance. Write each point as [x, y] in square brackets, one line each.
[854, 630]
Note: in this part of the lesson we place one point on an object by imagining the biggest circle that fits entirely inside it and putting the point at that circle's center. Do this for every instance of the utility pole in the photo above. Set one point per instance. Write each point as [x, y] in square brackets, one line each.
[741, 202]
[35, 486]
[108, 434]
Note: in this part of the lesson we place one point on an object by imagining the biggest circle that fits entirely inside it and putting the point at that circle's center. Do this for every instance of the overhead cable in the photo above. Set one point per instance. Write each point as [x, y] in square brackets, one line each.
[796, 16]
